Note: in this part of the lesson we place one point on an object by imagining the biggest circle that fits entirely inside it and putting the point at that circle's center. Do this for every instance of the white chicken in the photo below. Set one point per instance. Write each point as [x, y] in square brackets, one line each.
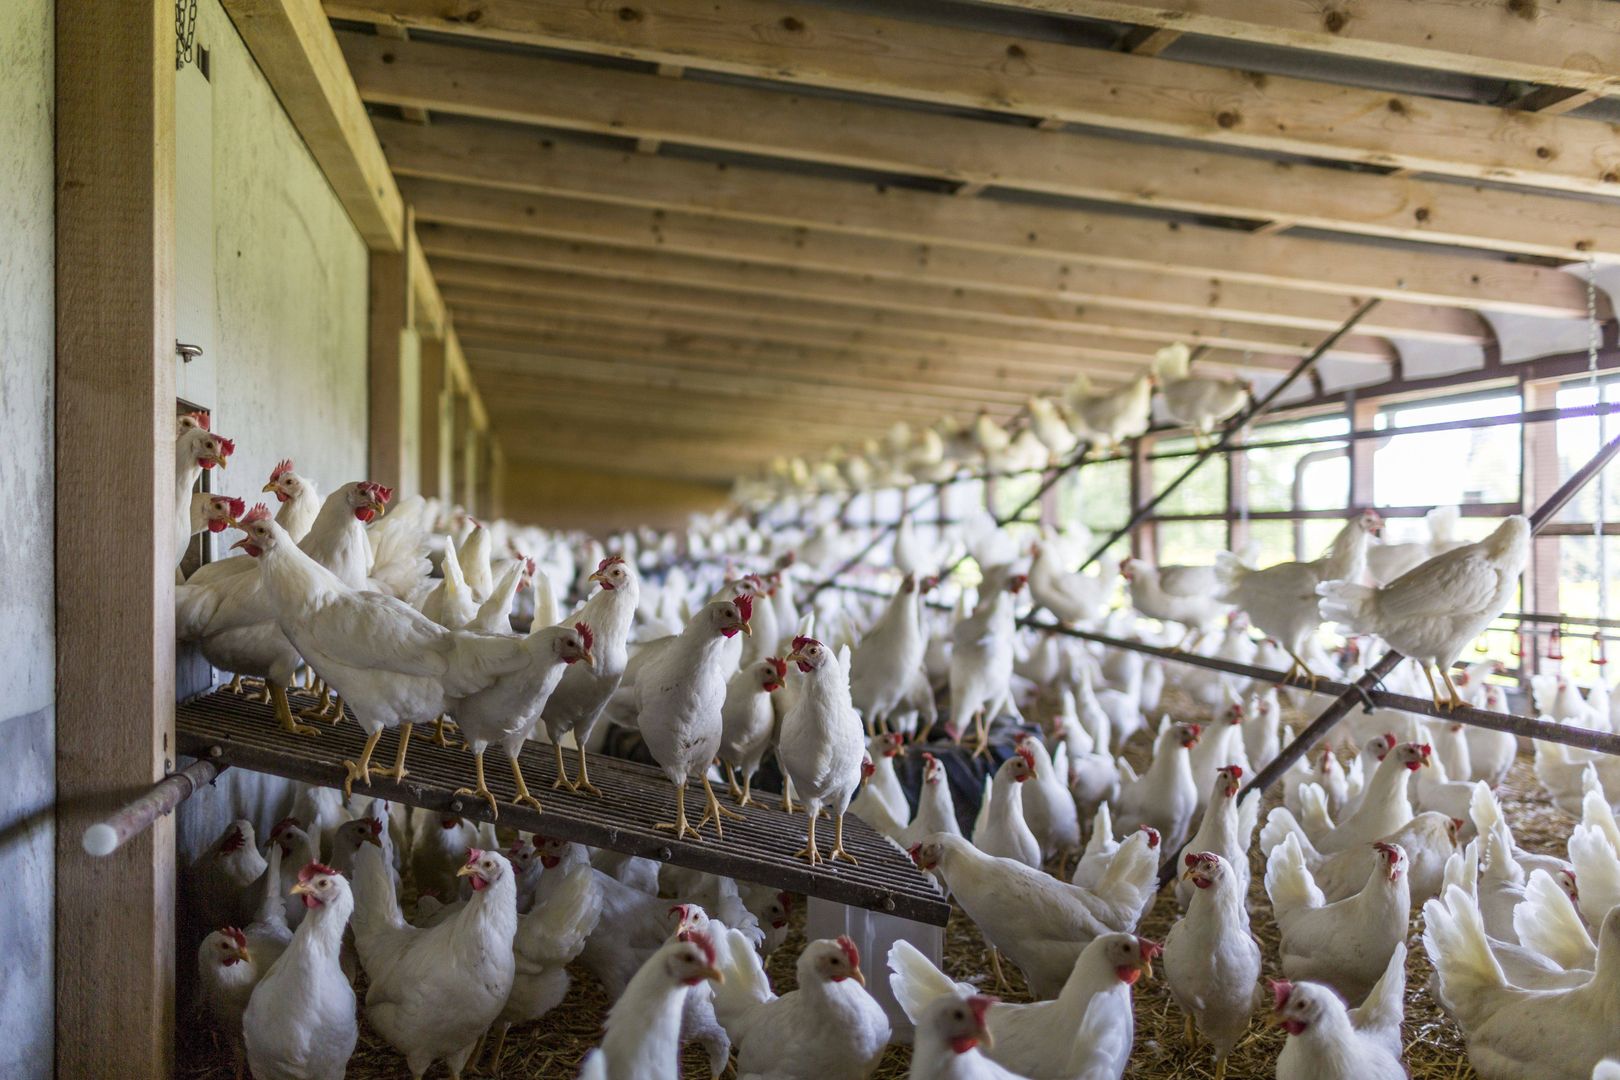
[434, 992]
[1386, 561]
[1106, 418]
[1346, 944]
[1433, 612]
[1051, 426]
[888, 656]
[1049, 807]
[1282, 599]
[1327, 1041]
[1036, 921]
[1384, 808]
[1000, 830]
[1072, 598]
[982, 657]
[1225, 830]
[820, 748]
[748, 723]
[679, 693]
[1515, 1034]
[195, 448]
[1199, 402]
[1211, 961]
[827, 1028]
[936, 810]
[300, 1022]
[1185, 595]
[1164, 797]
[1040, 1038]
[644, 1026]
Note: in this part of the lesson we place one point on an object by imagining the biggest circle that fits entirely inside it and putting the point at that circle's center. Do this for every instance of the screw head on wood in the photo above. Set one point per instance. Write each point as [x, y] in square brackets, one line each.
[456, 805]
[887, 904]
[665, 854]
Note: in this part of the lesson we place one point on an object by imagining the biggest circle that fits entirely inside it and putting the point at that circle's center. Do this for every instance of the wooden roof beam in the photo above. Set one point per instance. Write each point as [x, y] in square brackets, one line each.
[974, 153]
[502, 158]
[293, 44]
[875, 54]
[796, 286]
[638, 228]
[1561, 44]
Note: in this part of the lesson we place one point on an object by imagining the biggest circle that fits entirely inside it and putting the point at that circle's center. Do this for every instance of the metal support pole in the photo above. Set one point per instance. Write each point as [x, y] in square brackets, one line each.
[1230, 431]
[108, 835]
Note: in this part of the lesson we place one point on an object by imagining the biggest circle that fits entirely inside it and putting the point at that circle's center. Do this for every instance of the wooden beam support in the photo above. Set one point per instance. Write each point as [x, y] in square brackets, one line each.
[974, 153]
[293, 44]
[389, 320]
[1567, 43]
[640, 228]
[947, 305]
[427, 305]
[115, 424]
[1552, 100]
[498, 157]
[433, 444]
[946, 65]
[1148, 41]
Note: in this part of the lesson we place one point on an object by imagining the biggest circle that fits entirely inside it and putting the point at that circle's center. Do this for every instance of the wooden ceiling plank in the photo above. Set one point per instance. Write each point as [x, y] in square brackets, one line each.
[473, 153]
[788, 283]
[1561, 44]
[558, 94]
[293, 44]
[946, 65]
[641, 228]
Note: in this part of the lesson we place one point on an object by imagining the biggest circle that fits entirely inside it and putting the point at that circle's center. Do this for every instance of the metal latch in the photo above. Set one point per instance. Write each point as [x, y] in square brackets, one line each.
[187, 353]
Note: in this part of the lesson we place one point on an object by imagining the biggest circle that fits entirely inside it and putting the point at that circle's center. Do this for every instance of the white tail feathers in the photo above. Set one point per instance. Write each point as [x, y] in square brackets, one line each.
[1596, 813]
[1288, 881]
[1462, 870]
[1229, 573]
[1484, 810]
[745, 984]
[1442, 523]
[1172, 362]
[1132, 876]
[547, 611]
[1546, 921]
[1351, 607]
[1598, 871]
[1280, 825]
[554, 934]
[1313, 810]
[916, 982]
[1385, 1006]
[1465, 969]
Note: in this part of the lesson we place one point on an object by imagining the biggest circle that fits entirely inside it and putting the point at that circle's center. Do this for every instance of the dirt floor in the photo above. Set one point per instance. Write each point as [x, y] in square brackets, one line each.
[555, 1045]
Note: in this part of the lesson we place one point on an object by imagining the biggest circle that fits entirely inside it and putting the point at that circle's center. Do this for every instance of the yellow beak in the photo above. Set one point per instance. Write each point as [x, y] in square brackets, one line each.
[467, 871]
[271, 486]
[588, 658]
[714, 975]
[219, 459]
[242, 954]
[745, 628]
[985, 1037]
[598, 576]
[301, 889]
[244, 542]
[795, 657]
[858, 977]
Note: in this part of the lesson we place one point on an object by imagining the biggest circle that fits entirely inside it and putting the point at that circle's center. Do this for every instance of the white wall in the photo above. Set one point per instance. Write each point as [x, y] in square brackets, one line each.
[27, 656]
[284, 307]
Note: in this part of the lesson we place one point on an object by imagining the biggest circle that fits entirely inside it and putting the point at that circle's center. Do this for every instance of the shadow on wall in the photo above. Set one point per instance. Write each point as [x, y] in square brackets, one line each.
[599, 502]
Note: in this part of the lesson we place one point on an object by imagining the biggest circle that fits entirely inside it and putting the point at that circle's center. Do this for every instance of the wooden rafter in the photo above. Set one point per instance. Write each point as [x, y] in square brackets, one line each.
[559, 94]
[293, 44]
[1299, 319]
[855, 51]
[475, 153]
[794, 285]
[1568, 43]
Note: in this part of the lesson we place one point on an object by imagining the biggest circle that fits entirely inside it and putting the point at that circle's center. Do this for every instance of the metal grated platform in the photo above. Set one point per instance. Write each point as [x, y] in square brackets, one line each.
[242, 733]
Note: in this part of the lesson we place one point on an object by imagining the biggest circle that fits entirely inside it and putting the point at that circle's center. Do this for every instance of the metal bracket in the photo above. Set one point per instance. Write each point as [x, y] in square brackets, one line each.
[187, 353]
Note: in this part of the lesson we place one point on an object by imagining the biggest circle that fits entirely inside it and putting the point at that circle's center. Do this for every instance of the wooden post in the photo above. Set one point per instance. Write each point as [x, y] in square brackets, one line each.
[115, 427]
[1362, 452]
[390, 316]
[433, 444]
[460, 428]
[1539, 469]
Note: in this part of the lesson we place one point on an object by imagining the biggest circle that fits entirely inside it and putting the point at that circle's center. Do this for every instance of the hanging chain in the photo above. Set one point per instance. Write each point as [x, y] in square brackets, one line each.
[1593, 341]
[185, 31]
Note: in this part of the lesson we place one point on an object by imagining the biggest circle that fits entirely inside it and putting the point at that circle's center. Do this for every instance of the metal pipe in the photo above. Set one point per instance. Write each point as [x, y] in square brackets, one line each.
[109, 834]
[1230, 431]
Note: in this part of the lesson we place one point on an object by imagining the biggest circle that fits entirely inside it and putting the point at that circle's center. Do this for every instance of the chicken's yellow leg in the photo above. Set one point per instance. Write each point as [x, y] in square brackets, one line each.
[1303, 669]
[1434, 691]
[714, 810]
[398, 771]
[438, 732]
[809, 850]
[838, 851]
[679, 825]
[583, 781]
[562, 780]
[995, 966]
[731, 781]
[522, 798]
[361, 771]
[1456, 698]
[278, 699]
[1220, 1069]
[747, 798]
[482, 790]
[1188, 1030]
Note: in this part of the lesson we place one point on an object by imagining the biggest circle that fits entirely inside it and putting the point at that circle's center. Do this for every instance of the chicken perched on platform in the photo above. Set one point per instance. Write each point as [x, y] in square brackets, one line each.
[1035, 920]
[505, 711]
[829, 1028]
[1044, 1038]
[889, 656]
[1185, 595]
[1282, 599]
[1433, 612]
[748, 722]
[679, 693]
[1199, 402]
[982, 657]
[580, 696]
[392, 664]
[1106, 418]
[821, 745]
[434, 992]
[300, 1021]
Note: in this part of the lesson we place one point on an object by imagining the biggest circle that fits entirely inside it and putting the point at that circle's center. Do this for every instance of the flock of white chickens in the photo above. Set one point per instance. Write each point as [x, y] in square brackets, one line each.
[721, 671]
